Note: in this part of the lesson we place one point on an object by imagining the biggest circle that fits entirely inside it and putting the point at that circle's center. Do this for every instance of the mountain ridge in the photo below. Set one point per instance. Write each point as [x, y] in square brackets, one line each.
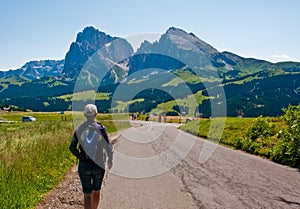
[101, 62]
[90, 40]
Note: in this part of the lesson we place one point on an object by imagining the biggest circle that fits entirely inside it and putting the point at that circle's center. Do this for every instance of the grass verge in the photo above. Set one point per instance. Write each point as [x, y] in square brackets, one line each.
[264, 136]
[35, 156]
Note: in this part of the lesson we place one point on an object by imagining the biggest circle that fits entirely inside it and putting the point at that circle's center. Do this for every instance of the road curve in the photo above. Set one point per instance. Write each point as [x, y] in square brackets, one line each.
[228, 179]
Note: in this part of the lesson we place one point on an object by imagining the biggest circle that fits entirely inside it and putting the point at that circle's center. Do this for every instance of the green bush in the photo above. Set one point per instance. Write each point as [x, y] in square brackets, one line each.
[258, 138]
[261, 128]
[274, 138]
[287, 150]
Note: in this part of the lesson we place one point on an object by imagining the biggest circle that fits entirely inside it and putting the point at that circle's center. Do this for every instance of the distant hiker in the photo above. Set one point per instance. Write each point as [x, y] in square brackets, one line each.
[165, 117]
[89, 141]
[147, 117]
[133, 116]
[240, 114]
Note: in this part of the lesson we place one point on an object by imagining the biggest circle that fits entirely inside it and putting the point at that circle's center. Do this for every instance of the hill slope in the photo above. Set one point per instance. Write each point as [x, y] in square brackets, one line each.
[176, 67]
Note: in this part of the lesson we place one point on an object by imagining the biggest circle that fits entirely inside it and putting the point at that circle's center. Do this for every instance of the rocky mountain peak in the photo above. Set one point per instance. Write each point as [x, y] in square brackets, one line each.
[177, 35]
[92, 37]
[87, 43]
[37, 69]
[175, 31]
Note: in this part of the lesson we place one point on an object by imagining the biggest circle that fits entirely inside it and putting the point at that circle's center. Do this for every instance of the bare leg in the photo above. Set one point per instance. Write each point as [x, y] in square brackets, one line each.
[88, 201]
[96, 198]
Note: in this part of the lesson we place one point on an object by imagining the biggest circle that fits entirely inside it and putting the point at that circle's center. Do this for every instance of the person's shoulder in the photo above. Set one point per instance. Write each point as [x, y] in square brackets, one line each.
[81, 126]
[100, 125]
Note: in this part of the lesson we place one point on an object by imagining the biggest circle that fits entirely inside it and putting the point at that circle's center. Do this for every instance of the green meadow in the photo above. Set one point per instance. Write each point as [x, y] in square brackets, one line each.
[275, 138]
[86, 95]
[35, 155]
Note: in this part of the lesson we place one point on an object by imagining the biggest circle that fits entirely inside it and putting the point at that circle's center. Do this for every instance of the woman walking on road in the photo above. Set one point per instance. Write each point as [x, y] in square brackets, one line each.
[89, 141]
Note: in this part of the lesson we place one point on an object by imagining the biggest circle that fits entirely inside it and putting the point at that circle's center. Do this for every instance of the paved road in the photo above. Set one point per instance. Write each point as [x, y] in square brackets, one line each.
[228, 179]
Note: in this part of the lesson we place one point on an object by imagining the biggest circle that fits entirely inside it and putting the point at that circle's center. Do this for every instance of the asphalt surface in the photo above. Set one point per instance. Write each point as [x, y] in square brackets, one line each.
[159, 166]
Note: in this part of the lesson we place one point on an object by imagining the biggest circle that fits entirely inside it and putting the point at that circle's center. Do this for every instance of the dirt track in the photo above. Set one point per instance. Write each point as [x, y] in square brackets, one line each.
[66, 195]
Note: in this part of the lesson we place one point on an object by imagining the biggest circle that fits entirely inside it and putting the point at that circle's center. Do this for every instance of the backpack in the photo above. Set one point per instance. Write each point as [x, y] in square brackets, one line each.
[90, 139]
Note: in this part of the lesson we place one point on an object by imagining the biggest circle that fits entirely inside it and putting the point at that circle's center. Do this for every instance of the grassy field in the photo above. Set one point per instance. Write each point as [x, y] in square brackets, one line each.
[35, 156]
[190, 103]
[234, 128]
[266, 137]
[86, 95]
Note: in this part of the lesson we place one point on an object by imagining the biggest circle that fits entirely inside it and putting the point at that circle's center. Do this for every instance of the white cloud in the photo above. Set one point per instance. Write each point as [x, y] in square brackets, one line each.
[280, 56]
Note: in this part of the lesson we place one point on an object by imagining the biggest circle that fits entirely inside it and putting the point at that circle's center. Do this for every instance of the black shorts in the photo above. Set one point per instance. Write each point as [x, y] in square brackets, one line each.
[91, 176]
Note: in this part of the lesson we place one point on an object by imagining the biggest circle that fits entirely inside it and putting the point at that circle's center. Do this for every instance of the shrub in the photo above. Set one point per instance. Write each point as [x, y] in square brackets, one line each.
[287, 151]
[260, 129]
[257, 138]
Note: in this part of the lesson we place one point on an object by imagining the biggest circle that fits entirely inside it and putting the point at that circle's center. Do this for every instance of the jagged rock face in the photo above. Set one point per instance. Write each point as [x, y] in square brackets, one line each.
[38, 69]
[175, 49]
[177, 60]
[188, 41]
[87, 43]
[107, 60]
[92, 45]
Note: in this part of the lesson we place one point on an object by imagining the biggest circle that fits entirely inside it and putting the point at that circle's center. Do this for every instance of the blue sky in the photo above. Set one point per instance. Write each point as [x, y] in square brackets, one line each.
[37, 29]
